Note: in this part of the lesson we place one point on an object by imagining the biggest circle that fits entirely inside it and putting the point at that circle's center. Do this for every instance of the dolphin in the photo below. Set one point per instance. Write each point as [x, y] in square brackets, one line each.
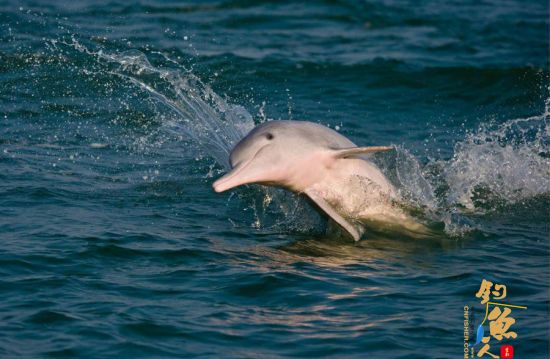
[318, 162]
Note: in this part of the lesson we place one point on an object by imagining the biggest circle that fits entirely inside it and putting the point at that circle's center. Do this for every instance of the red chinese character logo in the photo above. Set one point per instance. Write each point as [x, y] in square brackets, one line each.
[507, 351]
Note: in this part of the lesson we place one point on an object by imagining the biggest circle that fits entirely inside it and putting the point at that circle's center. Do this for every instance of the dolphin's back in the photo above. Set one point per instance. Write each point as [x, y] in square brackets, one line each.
[309, 131]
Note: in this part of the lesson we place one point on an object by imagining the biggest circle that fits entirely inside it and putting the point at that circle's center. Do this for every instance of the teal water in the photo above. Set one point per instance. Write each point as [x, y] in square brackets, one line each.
[116, 118]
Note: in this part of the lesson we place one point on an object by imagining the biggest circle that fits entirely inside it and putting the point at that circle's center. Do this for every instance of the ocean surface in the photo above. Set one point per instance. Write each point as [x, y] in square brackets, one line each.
[116, 117]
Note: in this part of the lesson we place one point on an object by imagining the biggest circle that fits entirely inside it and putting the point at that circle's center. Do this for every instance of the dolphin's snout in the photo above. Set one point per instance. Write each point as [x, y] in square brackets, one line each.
[231, 179]
[243, 172]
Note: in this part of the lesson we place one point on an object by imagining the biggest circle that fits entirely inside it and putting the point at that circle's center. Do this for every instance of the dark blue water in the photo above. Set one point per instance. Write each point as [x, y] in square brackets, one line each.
[115, 119]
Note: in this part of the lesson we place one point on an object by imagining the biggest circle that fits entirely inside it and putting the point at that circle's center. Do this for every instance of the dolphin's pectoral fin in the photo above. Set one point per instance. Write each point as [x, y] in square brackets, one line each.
[353, 151]
[335, 216]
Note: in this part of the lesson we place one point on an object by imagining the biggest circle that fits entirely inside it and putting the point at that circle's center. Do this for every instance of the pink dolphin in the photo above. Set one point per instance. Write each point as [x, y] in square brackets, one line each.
[314, 160]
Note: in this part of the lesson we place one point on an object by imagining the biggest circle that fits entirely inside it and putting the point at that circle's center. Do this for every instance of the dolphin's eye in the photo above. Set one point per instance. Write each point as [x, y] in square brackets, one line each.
[269, 136]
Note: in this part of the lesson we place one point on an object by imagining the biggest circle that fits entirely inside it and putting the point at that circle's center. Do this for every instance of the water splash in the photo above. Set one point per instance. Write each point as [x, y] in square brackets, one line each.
[507, 163]
[494, 166]
[202, 116]
[208, 122]
[497, 163]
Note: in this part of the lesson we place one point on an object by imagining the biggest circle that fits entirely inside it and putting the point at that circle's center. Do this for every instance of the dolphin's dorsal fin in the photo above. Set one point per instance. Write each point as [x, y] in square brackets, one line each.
[353, 151]
[335, 216]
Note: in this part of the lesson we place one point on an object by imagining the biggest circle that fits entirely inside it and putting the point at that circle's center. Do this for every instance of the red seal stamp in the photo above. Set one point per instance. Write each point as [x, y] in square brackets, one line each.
[507, 352]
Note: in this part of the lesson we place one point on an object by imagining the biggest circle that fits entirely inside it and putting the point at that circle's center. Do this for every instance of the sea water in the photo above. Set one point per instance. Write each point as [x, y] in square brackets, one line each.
[116, 118]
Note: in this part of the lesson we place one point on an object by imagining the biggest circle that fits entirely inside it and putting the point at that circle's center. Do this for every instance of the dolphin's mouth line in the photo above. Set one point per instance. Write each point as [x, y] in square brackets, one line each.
[235, 171]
